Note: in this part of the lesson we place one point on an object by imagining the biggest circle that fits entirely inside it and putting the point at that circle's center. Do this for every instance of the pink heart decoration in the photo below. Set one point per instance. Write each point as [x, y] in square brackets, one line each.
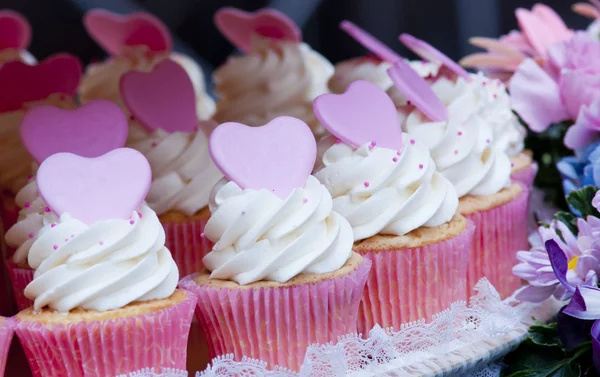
[108, 187]
[114, 31]
[238, 26]
[417, 91]
[370, 42]
[90, 131]
[278, 156]
[15, 31]
[22, 83]
[432, 54]
[362, 114]
[161, 99]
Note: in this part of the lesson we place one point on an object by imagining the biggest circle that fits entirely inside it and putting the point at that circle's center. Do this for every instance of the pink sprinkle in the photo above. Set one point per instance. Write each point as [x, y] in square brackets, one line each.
[495, 96]
[512, 164]
[243, 212]
[140, 214]
[420, 166]
[484, 83]
[131, 222]
[202, 235]
[31, 235]
[305, 200]
[52, 225]
[66, 239]
[63, 97]
[459, 133]
[398, 153]
[487, 141]
[412, 141]
[47, 209]
[131, 117]
[498, 84]
[29, 176]
[101, 243]
[408, 102]
[395, 159]
[367, 184]
[338, 141]
[456, 151]
[55, 247]
[27, 205]
[72, 236]
[154, 144]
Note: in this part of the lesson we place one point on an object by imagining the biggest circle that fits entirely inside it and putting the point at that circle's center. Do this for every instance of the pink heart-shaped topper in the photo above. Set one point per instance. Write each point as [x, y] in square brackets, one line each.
[278, 156]
[417, 91]
[161, 99]
[22, 83]
[108, 187]
[15, 31]
[370, 42]
[432, 54]
[90, 131]
[114, 31]
[238, 26]
[362, 114]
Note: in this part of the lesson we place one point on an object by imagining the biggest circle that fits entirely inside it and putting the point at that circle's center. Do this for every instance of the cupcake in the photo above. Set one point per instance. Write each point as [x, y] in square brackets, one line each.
[169, 135]
[463, 147]
[135, 42]
[6, 335]
[15, 38]
[402, 211]
[280, 251]
[103, 274]
[277, 74]
[90, 131]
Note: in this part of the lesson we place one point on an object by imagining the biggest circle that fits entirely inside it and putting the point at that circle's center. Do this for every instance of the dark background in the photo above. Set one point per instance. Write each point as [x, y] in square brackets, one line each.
[445, 23]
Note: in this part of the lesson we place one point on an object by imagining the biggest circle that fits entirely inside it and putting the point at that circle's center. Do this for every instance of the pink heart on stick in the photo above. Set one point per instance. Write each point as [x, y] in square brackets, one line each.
[90, 131]
[114, 31]
[417, 91]
[432, 54]
[370, 42]
[22, 83]
[278, 156]
[15, 31]
[161, 99]
[362, 114]
[108, 187]
[238, 26]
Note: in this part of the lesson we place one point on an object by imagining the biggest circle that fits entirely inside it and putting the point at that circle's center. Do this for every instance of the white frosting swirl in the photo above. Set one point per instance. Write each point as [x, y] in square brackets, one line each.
[463, 147]
[105, 266]
[274, 79]
[259, 236]
[383, 191]
[182, 171]
[101, 80]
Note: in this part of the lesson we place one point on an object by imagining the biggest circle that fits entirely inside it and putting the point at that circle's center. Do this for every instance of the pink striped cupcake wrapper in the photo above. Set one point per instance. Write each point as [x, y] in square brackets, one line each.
[526, 176]
[411, 284]
[187, 244]
[112, 347]
[276, 325]
[6, 334]
[499, 233]
[20, 277]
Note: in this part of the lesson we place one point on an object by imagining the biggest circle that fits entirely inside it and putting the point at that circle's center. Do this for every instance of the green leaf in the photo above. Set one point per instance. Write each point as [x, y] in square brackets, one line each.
[571, 369]
[581, 200]
[545, 335]
[568, 219]
[530, 358]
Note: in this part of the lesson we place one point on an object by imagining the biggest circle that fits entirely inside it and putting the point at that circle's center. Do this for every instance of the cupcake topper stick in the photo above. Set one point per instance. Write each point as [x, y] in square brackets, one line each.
[278, 156]
[22, 83]
[108, 187]
[161, 99]
[238, 26]
[114, 31]
[90, 131]
[432, 54]
[370, 42]
[362, 114]
[15, 31]
[417, 91]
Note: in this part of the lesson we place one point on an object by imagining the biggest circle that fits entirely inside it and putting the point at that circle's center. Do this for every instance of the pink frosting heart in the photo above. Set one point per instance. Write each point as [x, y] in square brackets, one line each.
[111, 186]
[114, 31]
[161, 99]
[432, 54]
[15, 31]
[22, 83]
[278, 156]
[362, 114]
[369, 42]
[90, 131]
[238, 26]
[417, 91]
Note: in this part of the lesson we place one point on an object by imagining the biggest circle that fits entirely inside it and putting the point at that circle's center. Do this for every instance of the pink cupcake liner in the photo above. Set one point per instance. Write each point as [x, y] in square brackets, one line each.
[109, 348]
[499, 233]
[187, 244]
[276, 325]
[20, 277]
[6, 334]
[526, 176]
[411, 284]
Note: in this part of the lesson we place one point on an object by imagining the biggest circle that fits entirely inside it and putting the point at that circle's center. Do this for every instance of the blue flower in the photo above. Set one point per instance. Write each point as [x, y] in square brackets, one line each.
[580, 170]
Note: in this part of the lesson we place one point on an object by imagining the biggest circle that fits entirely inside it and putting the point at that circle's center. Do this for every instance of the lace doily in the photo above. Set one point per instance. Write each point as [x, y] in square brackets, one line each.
[150, 372]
